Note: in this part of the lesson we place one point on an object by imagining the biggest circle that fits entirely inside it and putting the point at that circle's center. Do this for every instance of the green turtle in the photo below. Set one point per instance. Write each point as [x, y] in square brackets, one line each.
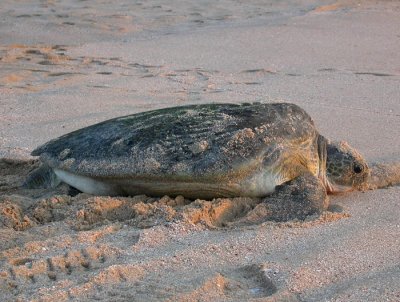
[205, 151]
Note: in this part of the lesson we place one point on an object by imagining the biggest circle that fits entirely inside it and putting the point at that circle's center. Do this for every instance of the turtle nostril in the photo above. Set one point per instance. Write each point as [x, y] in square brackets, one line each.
[357, 169]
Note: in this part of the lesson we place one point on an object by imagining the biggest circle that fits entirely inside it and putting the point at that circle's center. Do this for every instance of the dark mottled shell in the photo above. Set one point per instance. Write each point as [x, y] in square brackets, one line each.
[194, 140]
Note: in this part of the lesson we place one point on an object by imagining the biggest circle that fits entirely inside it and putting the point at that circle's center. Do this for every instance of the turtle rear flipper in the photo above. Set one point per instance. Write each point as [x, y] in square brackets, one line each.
[41, 178]
[296, 199]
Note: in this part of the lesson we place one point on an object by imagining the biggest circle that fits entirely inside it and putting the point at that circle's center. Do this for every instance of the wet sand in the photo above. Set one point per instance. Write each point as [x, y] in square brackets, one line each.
[68, 64]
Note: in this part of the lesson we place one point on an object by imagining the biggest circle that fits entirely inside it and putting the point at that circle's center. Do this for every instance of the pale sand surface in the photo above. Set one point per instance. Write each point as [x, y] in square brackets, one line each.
[68, 64]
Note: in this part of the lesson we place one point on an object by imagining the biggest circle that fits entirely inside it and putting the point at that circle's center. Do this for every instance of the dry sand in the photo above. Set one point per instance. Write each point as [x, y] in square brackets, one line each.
[68, 64]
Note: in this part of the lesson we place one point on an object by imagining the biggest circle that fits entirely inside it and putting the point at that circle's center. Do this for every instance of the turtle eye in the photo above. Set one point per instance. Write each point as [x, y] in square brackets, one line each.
[357, 168]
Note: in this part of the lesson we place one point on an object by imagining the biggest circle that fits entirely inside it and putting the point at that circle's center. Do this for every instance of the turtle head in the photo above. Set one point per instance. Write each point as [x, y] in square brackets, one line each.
[346, 169]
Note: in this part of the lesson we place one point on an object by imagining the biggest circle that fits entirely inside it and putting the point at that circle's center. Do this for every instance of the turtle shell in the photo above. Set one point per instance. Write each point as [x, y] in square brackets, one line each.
[188, 141]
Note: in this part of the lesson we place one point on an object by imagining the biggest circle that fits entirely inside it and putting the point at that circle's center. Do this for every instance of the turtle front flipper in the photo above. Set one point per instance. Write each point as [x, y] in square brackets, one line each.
[296, 199]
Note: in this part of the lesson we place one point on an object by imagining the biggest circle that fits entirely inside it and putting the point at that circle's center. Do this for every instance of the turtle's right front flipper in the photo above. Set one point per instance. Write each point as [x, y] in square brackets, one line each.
[296, 199]
[41, 178]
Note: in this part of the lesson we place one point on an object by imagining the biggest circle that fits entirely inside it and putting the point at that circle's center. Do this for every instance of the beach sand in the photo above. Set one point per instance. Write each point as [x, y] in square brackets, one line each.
[68, 64]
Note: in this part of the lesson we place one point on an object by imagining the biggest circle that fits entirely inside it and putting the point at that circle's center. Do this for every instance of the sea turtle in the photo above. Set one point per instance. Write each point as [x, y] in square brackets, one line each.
[206, 151]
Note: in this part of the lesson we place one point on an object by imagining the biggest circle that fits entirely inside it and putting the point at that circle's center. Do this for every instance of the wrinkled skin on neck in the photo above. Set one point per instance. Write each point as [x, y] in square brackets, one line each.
[346, 169]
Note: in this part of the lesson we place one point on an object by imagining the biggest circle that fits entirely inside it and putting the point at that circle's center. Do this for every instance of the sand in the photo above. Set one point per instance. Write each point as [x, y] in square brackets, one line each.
[68, 64]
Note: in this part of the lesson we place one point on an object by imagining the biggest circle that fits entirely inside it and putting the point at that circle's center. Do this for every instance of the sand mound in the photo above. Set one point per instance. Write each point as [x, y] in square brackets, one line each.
[21, 209]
